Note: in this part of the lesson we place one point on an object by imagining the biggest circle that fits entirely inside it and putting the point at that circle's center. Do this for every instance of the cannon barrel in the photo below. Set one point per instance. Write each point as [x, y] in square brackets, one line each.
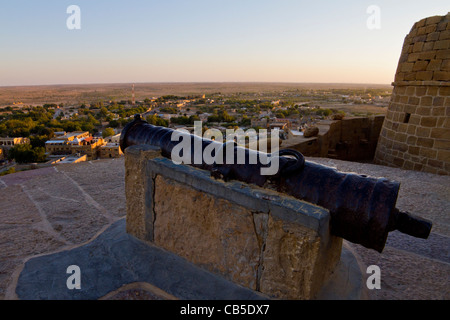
[362, 209]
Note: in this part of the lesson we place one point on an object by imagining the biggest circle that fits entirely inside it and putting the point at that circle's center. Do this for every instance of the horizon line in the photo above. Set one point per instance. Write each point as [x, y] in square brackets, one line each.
[193, 82]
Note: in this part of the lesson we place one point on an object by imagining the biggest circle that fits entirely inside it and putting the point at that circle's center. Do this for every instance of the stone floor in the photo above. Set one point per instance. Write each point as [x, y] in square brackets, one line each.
[59, 209]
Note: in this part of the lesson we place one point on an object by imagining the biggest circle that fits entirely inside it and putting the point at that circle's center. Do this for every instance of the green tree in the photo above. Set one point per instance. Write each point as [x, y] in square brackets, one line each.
[108, 132]
[22, 153]
[103, 112]
[157, 121]
[39, 154]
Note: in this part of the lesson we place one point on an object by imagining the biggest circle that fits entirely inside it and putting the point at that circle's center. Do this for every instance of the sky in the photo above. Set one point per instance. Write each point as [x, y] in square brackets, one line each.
[136, 41]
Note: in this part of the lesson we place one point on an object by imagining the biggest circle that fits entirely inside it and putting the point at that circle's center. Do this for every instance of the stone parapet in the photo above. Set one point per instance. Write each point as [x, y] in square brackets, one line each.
[258, 238]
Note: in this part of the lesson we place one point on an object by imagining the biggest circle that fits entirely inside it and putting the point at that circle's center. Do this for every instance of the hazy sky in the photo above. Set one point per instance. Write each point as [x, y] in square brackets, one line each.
[205, 41]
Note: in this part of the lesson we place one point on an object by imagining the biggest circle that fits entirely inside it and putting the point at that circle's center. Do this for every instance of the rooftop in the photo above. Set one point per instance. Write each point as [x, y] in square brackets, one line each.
[52, 210]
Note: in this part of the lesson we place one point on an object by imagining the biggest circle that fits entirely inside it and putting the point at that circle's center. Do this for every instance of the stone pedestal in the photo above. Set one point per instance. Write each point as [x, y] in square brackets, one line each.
[263, 240]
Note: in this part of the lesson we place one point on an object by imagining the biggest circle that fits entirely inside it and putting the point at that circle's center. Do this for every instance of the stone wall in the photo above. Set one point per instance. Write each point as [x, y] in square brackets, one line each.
[258, 238]
[416, 131]
[352, 139]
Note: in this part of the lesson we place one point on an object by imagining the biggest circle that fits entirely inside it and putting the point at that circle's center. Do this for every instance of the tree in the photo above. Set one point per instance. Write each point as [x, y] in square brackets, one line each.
[103, 112]
[108, 132]
[114, 124]
[22, 153]
[156, 121]
[38, 141]
[39, 154]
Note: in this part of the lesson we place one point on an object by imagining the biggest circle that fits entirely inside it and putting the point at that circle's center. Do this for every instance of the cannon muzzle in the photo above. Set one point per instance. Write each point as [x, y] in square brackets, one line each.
[362, 208]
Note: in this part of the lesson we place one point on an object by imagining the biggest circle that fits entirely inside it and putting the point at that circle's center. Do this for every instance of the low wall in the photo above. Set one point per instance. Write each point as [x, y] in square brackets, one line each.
[351, 139]
[260, 239]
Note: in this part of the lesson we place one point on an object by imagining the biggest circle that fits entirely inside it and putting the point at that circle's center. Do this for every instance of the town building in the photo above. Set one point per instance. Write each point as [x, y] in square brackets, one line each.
[110, 150]
[78, 142]
[11, 142]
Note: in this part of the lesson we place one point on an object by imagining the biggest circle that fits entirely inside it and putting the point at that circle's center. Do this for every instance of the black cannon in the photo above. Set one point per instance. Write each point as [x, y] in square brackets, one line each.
[362, 208]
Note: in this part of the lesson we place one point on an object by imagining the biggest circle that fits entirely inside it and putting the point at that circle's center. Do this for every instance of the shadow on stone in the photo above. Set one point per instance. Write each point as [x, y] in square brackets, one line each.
[115, 259]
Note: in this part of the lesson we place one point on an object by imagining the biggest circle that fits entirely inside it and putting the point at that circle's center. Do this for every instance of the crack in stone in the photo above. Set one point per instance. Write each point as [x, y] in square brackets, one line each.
[260, 225]
[153, 207]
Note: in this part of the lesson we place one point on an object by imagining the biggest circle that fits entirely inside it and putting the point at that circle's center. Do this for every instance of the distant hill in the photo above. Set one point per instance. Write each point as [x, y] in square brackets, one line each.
[75, 94]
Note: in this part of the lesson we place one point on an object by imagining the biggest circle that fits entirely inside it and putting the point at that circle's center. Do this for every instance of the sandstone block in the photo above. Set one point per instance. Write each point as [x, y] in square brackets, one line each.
[413, 101]
[441, 26]
[414, 150]
[434, 65]
[428, 153]
[424, 111]
[399, 91]
[406, 67]
[408, 165]
[288, 247]
[439, 102]
[428, 46]
[420, 66]
[444, 91]
[411, 130]
[409, 76]
[398, 146]
[418, 46]
[431, 28]
[420, 23]
[435, 163]
[414, 119]
[280, 247]
[423, 132]
[421, 31]
[411, 90]
[208, 231]
[440, 133]
[424, 75]
[442, 144]
[432, 91]
[426, 101]
[398, 162]
[442, 54]
[441, 75]
[421, 91]
[444, 155]
[441, 45]
[136, 184]
[427, 55]
[444, 35]
[428, 122]
[445, 65]
[433, 20]
[410, 109]
[425, 142]
[433, 36]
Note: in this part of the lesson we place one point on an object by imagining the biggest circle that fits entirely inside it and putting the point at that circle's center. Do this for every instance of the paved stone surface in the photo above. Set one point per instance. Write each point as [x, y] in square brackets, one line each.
[115, 258]
[38, 210]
